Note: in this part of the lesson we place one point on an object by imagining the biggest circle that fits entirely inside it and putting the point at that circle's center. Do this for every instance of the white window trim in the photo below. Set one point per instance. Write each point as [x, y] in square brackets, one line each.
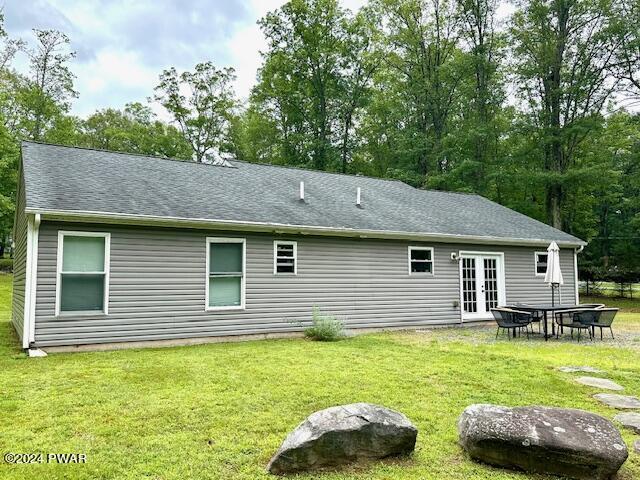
[535, 263]
[107, 269]
[275, 256]
[433, 261]
[243, 241]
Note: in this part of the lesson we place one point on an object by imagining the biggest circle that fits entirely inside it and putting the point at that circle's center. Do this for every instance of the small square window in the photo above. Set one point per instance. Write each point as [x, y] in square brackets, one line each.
[285, 257]
[541, 263]
[420, 260]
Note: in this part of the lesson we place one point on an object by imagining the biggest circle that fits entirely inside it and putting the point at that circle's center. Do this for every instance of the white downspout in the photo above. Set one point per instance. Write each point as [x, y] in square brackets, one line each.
[576, 251]
[31, 281]
[458, 260]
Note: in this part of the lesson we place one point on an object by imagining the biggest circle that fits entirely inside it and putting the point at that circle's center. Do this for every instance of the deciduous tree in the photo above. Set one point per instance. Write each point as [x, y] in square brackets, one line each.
[201, 104]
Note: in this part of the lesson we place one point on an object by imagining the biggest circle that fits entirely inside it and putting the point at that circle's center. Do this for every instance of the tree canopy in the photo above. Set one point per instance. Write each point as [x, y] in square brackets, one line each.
[537, 110]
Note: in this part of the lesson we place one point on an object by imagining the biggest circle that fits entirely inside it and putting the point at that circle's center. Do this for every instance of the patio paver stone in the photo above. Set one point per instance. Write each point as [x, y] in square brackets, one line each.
[599, 383]
[617, 401]
[630, 420]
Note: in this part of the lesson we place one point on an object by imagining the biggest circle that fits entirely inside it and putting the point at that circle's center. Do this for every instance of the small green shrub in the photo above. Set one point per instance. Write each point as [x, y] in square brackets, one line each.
[6, 264]
[324, 328]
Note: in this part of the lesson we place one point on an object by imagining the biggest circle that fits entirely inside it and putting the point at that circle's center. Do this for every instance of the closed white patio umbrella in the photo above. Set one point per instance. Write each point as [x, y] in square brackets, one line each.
[553, 275]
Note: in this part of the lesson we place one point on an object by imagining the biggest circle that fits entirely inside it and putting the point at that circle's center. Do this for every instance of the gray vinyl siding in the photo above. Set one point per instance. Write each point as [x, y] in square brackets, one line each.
[158, 281]
[19, 260]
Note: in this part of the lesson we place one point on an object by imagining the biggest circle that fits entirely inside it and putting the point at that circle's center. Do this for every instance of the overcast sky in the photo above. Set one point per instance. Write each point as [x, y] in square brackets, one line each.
[123, 45]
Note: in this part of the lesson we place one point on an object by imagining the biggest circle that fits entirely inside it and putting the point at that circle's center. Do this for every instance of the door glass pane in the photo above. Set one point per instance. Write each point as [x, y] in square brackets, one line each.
[224, 291]
[469, 298]
[82, 254]
[225, 258]
[84, 292]
[490, 283]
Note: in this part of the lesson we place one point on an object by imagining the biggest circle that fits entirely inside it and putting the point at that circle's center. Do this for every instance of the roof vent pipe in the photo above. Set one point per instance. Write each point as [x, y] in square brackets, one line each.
[302, 191]
[358, 197]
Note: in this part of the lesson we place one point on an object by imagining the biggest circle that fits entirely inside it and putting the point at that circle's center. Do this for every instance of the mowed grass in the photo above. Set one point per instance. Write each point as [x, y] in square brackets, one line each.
[220, 411]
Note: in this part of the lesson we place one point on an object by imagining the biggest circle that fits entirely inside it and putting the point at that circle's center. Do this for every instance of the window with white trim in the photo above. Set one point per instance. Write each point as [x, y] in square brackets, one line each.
[225, 273]
[285, 257]
[83, 272]
[420, 260]
[541, 263]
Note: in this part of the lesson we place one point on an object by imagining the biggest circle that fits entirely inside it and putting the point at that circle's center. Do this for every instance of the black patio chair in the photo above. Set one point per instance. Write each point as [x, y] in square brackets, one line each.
[564, 318]
[536, 316]
[582, 319]
[598, 318]
[510, 319]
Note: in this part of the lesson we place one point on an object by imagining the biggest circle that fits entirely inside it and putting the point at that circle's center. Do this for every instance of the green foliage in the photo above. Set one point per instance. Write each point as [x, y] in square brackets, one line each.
[324, 328]
[413, 90]
[6, 264]
[135, 130]
[313, 85]
[203, 114]
[564, 67]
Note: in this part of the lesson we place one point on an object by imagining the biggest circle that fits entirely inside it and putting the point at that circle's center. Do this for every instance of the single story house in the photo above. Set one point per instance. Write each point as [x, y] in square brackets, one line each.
[113, 248]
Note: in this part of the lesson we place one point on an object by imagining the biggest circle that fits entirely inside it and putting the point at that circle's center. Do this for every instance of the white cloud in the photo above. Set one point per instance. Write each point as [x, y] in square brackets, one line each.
[123, 46]
[245, 46]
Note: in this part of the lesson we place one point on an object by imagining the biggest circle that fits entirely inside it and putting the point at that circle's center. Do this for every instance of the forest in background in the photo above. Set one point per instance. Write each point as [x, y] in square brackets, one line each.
[537, 111]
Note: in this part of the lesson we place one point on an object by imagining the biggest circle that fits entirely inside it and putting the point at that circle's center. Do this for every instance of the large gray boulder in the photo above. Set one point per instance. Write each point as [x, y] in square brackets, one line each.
[557, 441]
[344, 434]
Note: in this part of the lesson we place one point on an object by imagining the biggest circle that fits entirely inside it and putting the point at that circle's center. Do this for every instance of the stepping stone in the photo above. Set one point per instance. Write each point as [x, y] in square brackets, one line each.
[630, 420]
[617, 401]
[599, 383]
[579, 369]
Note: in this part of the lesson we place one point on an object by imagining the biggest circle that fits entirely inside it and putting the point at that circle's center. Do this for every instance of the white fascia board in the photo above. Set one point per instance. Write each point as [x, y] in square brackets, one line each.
[139, 219]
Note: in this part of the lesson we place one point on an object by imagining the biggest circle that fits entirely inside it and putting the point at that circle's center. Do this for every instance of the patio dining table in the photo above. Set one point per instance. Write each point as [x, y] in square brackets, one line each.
[545, 308]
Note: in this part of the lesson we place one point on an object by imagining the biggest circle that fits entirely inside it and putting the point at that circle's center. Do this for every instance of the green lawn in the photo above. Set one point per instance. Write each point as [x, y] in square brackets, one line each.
[220, 411]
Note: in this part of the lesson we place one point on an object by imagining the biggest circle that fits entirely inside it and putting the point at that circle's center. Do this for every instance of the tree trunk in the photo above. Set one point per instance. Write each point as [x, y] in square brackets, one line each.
[345, 141]
[554, 205]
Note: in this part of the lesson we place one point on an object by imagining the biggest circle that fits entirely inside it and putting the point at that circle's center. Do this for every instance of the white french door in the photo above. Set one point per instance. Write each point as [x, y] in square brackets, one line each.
[481, 284]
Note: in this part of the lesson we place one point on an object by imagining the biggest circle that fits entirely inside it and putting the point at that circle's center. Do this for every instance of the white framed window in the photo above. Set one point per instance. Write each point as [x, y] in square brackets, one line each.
[82, 267]
[225, 288]
[541, 263]
[420, 260]
[285, 257]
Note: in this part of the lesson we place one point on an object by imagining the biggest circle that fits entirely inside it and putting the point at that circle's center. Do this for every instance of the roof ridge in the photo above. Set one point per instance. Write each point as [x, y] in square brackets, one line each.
[132, 154]
[264, 164]
[470, 194]
[306, 169]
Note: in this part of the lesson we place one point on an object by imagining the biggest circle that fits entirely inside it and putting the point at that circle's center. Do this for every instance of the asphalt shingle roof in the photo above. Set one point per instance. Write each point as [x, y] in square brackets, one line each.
[59, 178]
